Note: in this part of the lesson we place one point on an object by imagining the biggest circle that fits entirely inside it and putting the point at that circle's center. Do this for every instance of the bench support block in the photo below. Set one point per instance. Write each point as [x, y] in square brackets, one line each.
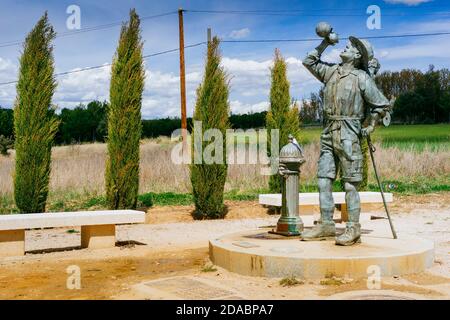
[98, 236]
[12, 243]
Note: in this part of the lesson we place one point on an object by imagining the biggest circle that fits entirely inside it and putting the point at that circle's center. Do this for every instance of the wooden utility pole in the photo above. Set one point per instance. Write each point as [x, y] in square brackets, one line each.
[209, 35]
[182, 78]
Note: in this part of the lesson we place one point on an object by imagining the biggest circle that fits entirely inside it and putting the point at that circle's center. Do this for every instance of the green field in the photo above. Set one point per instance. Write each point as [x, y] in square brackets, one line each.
[407, 137]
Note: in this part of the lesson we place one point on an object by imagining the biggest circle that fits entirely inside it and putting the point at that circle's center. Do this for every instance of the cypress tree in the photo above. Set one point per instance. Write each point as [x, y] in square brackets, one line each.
[124, 118]
[212, 109]
[35, 123]
[283, 113]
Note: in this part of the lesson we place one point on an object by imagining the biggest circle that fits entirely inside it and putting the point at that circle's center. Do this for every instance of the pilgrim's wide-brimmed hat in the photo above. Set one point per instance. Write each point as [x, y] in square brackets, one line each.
[365, 49]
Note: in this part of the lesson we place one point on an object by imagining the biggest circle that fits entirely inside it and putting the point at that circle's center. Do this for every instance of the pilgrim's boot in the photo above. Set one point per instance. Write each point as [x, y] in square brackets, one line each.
[351, 235]
[323, 230]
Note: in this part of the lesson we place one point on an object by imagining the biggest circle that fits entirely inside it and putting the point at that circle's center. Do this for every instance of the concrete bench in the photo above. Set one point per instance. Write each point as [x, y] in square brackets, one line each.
[312, 198]
[98, 228]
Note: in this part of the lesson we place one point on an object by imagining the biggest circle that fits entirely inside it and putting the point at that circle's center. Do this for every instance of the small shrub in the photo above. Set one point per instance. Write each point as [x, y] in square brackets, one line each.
[237, 195]
[290, 282]
[145, 200]
[57, 206]
[332, 280]
[95, 202]
[209, 268]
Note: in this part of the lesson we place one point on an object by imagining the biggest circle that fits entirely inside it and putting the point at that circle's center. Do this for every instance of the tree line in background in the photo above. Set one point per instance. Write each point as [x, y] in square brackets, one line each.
[421, 97]
[88, 123]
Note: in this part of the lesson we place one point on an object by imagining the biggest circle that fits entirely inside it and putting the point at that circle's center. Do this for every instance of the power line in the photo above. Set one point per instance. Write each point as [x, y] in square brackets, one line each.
[296, 13]
[318, 39]
[433, 34]
[174, 50]
[110, 64]
[89, 29]
[300, 12]
[106, 26]
[422, 7]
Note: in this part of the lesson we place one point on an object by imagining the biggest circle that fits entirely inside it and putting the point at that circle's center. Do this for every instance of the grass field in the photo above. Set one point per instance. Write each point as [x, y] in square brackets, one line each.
[411, 159]
[406, 137]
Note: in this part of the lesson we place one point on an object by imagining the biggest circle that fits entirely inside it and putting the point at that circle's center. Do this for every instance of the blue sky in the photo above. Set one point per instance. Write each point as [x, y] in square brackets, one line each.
[247, 64]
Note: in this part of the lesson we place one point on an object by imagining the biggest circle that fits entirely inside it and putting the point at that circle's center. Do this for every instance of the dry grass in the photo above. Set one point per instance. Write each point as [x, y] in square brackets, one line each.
[290, 282]
[80, 168]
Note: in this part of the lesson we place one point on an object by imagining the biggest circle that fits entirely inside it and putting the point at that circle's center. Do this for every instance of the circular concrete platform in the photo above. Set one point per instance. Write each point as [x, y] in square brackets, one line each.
[376, 295]
[257, 253]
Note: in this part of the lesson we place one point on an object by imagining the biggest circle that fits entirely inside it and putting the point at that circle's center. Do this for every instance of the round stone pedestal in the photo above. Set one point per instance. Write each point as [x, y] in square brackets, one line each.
[258, 253]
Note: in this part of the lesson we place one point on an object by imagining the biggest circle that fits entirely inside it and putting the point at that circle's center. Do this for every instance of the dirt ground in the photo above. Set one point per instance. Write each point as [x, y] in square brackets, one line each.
[251, 209]
[100, 278]
[178, 246]
[236, 210]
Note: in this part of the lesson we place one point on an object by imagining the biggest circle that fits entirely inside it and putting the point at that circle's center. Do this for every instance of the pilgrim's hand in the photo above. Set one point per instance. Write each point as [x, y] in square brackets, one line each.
[367, 131]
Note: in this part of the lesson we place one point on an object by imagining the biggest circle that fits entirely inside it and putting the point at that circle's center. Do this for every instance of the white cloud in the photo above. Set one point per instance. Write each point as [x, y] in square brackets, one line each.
[246, 66]
[433, 47]
[250, 76]
[423, 48]
[239, 34]
[6, 65]
[237, 106]
[431, 26]
[164, 84]
[159, 108]
[8, 72]
[82, 87]
[407, 2]
[161, 93]
[160, 97]
[250, 80]
[383, 54]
